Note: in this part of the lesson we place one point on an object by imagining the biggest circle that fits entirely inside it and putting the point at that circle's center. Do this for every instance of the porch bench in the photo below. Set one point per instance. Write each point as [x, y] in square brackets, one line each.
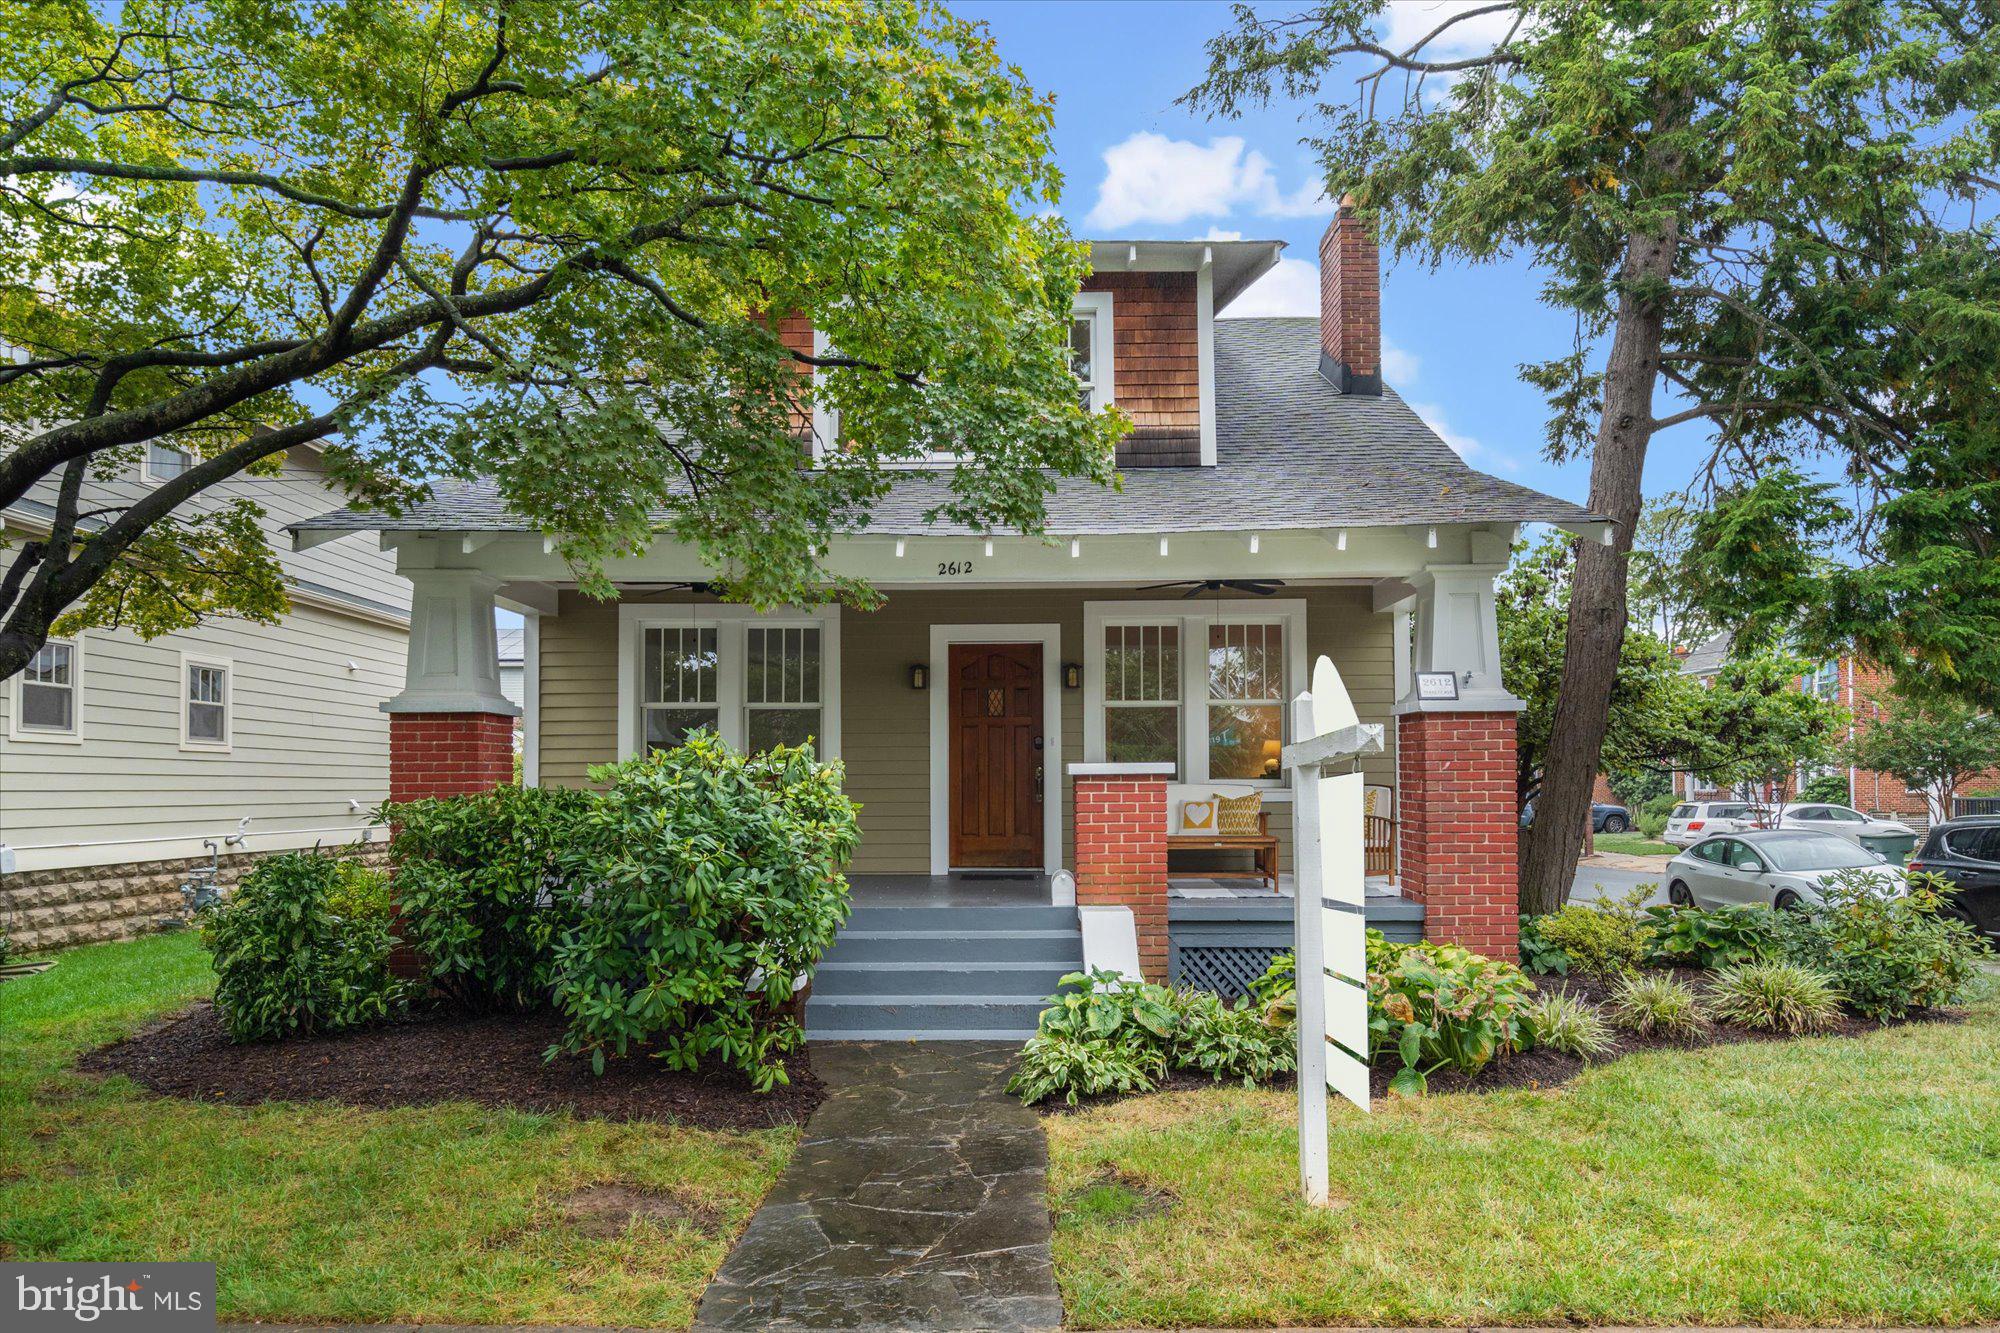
[1262, 846]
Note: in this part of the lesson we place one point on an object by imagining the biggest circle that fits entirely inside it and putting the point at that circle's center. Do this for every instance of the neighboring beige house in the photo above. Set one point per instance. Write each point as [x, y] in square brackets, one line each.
[126, 763]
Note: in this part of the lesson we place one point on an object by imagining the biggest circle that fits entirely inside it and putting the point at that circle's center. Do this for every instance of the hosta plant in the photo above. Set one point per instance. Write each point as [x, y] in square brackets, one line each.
[1232, 1041]
[1712, 937]
[1100, 1033]
[1433, 1006]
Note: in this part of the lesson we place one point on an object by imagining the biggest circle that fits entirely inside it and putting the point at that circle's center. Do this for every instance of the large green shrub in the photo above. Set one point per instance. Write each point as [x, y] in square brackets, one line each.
[302, 948]
[488, 885]
[1712, 937]
[1608, 937]
[1432, 1006]
[1887, 951]
[1828, 789]
[714, 888]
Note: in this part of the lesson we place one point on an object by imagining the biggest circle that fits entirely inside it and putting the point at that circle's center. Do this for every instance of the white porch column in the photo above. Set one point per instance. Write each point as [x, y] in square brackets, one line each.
[454, 664]
[1458, 630]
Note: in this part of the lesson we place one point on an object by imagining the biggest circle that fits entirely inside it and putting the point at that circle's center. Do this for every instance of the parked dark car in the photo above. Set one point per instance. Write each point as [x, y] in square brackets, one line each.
[1965, 853]
[1603, 818]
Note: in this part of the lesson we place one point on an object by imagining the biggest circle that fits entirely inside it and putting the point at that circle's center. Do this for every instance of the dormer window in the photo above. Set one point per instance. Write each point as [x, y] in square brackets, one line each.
[1090, 349]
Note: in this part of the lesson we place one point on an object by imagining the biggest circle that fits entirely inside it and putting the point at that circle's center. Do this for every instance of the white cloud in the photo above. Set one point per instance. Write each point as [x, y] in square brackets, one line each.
[1465, 446]
[1218, 234]
[1292, 288]
[1149, 178]
[1398, 366]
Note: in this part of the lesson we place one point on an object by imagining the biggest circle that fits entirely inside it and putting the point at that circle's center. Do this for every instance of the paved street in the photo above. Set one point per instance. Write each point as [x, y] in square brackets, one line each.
[1600, 881]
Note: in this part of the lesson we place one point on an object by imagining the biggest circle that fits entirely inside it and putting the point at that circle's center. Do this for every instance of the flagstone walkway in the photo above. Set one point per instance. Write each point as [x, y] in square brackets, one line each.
[916, 1200]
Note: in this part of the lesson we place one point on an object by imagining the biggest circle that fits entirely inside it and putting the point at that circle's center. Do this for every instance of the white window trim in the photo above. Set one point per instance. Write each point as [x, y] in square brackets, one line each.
[731, 643]
[228, 667]
[146, 462]
[1098, 306]
[1194, 617]
[942, 638]
[37, 735]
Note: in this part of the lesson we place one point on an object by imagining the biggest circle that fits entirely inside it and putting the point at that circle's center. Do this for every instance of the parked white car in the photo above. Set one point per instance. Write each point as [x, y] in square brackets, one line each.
[1775, 867]
[1691, 821]
[1884, 836]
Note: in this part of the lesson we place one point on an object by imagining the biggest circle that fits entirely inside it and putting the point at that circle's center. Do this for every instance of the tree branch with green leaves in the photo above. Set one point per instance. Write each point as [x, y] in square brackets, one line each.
[548, 242]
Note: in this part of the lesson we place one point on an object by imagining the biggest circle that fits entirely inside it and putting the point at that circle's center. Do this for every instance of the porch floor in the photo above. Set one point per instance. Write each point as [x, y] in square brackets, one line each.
[1014, 888]
[1234, 887]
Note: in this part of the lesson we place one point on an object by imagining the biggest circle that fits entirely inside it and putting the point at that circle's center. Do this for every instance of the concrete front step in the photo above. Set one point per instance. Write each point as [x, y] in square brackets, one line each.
[942, 973]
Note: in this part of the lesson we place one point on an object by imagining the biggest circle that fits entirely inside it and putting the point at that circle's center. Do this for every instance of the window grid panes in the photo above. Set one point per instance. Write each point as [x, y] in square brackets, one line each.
[48, 690]
[207, 704]
[1246, 700]
[678, 689]
[781, 686]
[1142, 691]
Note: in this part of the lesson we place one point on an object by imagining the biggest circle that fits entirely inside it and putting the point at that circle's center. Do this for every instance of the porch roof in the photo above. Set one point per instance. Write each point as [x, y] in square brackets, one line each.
[1292, 451]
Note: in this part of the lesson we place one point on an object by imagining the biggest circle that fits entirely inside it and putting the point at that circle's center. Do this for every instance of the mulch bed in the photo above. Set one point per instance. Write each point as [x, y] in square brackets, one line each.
[1542, 1068]
[495, 1060]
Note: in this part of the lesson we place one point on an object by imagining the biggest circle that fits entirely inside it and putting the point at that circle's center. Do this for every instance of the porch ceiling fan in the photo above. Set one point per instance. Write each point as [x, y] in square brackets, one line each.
[1196, 587]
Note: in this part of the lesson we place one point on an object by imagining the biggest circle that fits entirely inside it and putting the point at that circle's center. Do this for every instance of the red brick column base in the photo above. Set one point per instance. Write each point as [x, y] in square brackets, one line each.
[1121, 855]
[448, 754]
[1459, 828]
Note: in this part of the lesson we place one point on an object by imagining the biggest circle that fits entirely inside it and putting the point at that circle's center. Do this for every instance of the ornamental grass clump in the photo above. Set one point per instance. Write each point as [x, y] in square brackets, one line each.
[1653, 1003]
[1775, 997]
[714, 888]
[1562, 1022]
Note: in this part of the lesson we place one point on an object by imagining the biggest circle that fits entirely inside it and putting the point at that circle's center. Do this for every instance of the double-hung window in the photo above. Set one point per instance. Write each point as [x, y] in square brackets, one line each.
[1246, 699]
[1201, 685]
[205, 685]
[46, 698]
[756, 680]
[1142, 694]
[781, 685]
[679, 694]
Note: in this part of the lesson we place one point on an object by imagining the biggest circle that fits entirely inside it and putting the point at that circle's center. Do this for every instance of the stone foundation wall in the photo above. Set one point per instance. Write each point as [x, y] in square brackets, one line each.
[55, 909]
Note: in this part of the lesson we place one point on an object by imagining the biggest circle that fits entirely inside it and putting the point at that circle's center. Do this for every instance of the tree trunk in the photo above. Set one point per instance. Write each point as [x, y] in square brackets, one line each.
[1597, 614]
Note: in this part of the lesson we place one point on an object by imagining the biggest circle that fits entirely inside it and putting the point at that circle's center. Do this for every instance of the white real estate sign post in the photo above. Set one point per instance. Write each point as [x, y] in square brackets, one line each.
[1329, 932]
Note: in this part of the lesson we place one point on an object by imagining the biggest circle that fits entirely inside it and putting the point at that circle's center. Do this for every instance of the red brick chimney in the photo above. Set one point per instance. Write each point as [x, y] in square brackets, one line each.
[1350, 304]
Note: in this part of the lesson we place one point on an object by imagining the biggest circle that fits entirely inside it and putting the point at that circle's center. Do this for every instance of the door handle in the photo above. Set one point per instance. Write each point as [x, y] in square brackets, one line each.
[1038, 782]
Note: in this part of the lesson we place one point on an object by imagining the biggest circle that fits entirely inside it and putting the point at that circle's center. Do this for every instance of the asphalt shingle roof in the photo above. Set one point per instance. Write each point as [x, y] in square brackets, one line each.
[1291, 452]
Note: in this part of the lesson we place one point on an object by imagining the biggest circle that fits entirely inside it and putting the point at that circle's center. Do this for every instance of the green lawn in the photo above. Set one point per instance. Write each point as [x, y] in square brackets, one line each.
[1818, 1182]
[1633, 844]
[325, 1213]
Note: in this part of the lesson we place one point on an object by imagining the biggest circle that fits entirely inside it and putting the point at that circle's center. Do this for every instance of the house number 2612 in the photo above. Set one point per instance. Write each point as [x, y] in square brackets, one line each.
[953, 568]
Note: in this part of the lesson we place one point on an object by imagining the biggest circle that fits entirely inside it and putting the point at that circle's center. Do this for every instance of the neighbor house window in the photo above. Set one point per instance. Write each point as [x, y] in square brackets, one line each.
[1090, 356]
[164, 461]
[1142, 694]
[204, 703]
[1246, 700]
[46, 702]
[781, 686]
[679, 694]
[1200, 685]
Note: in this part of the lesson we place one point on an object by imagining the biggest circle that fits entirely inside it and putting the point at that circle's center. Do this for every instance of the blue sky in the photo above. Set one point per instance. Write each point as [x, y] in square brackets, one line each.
[1136, 165]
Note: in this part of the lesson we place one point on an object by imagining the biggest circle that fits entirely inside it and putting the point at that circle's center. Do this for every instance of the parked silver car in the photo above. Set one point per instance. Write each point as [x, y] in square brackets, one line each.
[1893, 841]
[1691, 821]
[1775, 867]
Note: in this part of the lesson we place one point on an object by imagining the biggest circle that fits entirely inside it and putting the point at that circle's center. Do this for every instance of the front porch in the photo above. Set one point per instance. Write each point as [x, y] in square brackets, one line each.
[1049, 706]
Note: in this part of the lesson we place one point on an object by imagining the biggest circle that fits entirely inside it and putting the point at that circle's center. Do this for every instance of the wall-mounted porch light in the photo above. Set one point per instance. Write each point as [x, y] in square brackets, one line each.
[1072, 675]
[920, 677]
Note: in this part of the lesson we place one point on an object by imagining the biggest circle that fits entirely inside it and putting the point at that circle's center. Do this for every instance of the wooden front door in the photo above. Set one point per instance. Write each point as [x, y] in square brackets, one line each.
[997, 755]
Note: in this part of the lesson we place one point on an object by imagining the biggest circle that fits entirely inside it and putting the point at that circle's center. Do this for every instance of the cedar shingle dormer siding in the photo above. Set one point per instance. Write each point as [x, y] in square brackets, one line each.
[1156, 365]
